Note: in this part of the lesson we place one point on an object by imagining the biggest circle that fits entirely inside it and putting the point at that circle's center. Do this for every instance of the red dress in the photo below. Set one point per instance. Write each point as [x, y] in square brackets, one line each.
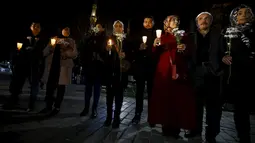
[172, 102]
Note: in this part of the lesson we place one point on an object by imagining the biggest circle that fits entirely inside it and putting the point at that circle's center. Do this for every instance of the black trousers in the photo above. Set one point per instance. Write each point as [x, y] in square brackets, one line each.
[208, 96]
[93, 85]
[241, 91]
[141, 80]
[242, 119]
[50, 99]
[20, 74]
[115, 89]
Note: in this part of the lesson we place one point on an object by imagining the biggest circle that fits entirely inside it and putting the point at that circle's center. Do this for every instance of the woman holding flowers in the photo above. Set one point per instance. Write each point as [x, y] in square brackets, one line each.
[172, 103]
[240, 69]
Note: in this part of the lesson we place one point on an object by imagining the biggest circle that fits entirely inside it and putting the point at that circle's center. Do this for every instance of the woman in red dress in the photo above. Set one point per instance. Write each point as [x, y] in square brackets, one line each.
[172, 103]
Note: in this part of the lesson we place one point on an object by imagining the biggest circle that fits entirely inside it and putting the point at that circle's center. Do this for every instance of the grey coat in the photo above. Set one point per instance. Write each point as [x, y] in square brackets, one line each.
[66, 64]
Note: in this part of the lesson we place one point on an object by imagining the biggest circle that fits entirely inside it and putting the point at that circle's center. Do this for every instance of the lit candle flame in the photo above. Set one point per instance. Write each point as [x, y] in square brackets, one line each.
[19, 45]
[93, 13]
[110, 42]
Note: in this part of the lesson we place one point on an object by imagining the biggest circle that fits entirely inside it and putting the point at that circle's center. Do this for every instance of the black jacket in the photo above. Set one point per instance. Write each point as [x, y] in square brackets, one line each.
[214, 66]
[92, 51]
[31, 53]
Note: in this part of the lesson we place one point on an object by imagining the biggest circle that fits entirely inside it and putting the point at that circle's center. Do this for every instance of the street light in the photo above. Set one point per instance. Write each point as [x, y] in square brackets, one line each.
[93, 17]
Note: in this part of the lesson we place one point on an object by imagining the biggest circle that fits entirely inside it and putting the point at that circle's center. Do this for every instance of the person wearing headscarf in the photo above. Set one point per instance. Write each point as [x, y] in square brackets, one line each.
[172, 103]
[239, 74]
[117, 63]
[58, 70]
[92, 48]
[206, 72]
[143, 65]
[27, 66]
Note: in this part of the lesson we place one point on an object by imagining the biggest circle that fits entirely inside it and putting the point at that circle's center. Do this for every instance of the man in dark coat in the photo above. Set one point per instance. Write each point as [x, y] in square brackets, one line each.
[27, 66]
[206, 71]
[92, 48]
[143, 65]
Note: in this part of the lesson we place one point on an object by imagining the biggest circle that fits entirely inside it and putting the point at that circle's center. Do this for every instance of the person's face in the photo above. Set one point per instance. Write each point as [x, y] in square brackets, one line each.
[148, 23]
[100, 28]
[204, 21]
[243, 15]
[118, 28]
[173, 23]
[35, 28]
[66, 32]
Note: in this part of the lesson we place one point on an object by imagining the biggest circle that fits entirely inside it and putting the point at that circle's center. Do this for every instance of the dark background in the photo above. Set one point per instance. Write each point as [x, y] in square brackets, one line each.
[16, 17]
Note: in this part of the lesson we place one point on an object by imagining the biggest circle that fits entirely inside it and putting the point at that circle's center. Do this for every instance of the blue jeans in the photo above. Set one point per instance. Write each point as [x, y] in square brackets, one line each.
[95, 86]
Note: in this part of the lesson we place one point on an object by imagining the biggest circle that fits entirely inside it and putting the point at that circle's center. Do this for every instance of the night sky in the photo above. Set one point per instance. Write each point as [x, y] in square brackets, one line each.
[71, 13]
[18, 16]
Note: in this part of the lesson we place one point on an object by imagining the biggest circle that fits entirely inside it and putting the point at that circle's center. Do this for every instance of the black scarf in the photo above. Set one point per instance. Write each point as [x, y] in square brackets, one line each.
[55, 67]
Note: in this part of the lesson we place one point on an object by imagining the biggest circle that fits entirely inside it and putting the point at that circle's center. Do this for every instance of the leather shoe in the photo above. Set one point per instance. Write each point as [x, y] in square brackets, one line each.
[94, 114]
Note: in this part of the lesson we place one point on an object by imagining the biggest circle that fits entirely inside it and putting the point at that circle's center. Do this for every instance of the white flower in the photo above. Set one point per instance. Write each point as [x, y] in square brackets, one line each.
[232, 32]
[175, 30]
[95, 29]
[121, 36]
[180, 32]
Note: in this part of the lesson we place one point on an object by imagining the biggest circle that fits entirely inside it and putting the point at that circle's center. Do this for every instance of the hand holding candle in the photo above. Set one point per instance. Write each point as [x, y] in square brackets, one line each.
[144, 39]
[109, 46]
[110, 42]
[158, 34]
[19, 45]
[53, 41]
[143, 45]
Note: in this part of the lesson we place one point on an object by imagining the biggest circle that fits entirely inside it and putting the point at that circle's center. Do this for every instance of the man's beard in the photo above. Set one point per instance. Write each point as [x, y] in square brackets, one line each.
[147, 27]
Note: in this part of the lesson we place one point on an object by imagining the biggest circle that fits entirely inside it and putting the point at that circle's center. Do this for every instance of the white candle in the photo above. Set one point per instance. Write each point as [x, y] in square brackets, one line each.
[19, 45]
[144, 39]
[158, 33]
[110, 44]
[53, 41]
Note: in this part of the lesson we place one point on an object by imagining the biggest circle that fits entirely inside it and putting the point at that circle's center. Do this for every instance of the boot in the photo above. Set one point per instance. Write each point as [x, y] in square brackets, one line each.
[136, 119]
[85, 112]
[116, 120]
[47, 109]
[108, 120]
[94, 113]
[116, 123]
[192, 134]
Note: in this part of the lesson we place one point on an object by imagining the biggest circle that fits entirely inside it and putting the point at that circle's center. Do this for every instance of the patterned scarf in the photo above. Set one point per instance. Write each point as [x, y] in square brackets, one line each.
[245, 28]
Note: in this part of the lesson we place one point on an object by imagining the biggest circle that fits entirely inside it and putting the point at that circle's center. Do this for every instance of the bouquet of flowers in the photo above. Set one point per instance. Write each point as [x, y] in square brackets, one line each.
[178, 35]
[95, 30]
[120, 36]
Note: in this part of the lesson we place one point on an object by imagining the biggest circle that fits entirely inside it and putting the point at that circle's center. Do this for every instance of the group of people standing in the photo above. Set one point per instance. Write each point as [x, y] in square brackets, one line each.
[41, 60]
[184, 72]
